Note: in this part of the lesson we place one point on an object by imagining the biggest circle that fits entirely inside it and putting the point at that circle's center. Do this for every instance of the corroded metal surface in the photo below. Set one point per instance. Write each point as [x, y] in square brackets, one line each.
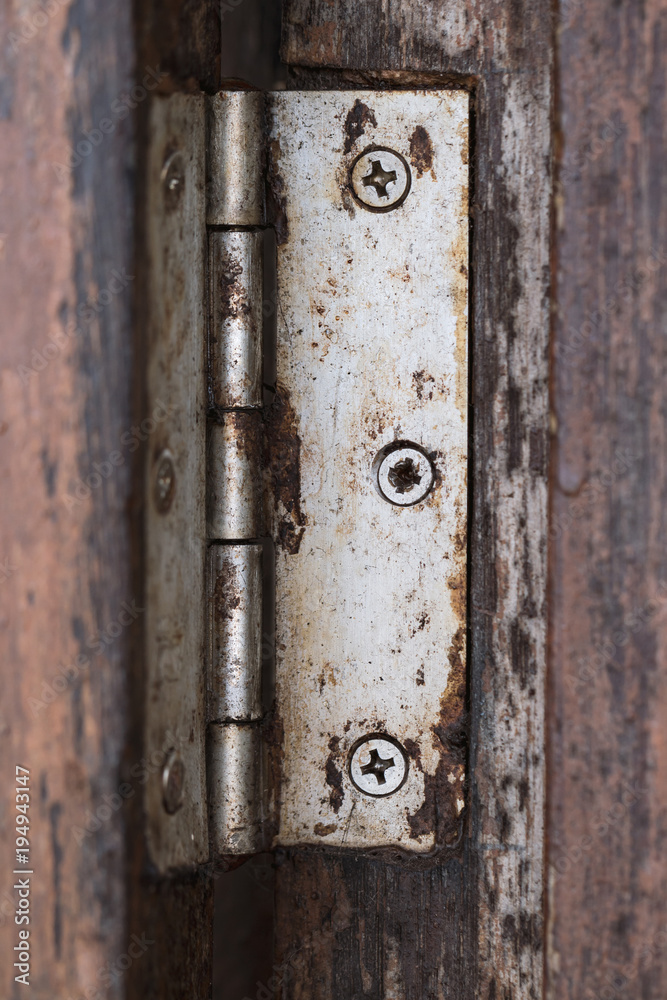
[235, 633]
[175, 468]
[233, 765]
[372, 350]
[233, 487]
[235, 261]
[235, 184]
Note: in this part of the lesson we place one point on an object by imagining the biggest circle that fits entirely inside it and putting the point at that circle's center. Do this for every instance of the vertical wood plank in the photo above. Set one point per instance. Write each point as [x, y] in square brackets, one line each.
[608, 568]
[66, 282]
[70, 535]
[473, 925]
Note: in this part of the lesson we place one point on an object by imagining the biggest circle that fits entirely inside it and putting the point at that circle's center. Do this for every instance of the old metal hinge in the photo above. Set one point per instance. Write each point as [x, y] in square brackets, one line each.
[342, 480]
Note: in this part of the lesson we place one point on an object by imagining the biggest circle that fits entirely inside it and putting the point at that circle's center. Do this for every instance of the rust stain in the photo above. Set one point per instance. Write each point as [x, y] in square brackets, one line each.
[284, 463]
[276, 202]
[227, 591]
[439, 810]
[322, 39]
[233, 297]
[273, 738]
[359, 116]
[421, 152]
[419, 380]
[323, 830]
[327, 676]
[334, 776]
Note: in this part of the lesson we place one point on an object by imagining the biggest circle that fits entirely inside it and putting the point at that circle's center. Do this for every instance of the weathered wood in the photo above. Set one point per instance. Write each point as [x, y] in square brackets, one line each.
[64, 404]
[71, 394]
[608, 568]
[472, 926]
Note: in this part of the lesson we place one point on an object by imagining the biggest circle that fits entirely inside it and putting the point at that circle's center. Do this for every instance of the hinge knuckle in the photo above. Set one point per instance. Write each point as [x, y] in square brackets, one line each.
[235, 633]
[234, 502]
[234, 788]
[235, 179]
[235, 319]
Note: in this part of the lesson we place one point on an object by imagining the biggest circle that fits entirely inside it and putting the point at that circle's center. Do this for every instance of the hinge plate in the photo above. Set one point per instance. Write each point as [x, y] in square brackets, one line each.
[371, 355]
[173, 767]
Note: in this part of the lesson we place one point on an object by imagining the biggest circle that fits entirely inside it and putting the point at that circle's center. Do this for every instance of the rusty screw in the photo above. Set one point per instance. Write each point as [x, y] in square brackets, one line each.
[165, 482]
[380, 179]
[405, 474]
[378, 765]
[173, 782]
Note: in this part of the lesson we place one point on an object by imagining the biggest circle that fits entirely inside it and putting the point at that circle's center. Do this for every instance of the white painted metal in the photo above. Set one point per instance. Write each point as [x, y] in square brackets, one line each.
[175, 538]
[372, 349]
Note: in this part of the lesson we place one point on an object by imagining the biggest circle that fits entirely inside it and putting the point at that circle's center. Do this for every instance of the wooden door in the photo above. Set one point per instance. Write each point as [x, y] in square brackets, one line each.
[557, 889]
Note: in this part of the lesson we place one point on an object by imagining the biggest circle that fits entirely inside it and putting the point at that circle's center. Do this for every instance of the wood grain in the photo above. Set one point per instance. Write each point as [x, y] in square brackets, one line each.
[64, 402]
[70, 388]
[608, 568]
[473, 925]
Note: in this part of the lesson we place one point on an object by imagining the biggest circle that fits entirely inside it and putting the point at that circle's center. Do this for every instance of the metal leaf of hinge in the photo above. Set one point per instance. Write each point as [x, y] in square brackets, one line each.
[356, 472]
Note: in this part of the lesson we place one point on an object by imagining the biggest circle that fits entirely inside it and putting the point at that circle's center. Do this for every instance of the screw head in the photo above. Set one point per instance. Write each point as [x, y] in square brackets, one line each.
[405, 474]
[378, 765]
[165, 481]
[173, 177]
[173, 782]
[380, 179]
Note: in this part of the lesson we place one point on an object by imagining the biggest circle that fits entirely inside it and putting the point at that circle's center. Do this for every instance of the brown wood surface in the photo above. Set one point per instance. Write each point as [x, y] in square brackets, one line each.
[471, 925]
[70, 388]
[607, 816]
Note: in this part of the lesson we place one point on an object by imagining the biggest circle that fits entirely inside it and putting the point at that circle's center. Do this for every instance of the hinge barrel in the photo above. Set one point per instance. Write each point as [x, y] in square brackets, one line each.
[234, 501]
[235, 320]
[234, 520]
[235, 633]
[234, 788]
[235, 176]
